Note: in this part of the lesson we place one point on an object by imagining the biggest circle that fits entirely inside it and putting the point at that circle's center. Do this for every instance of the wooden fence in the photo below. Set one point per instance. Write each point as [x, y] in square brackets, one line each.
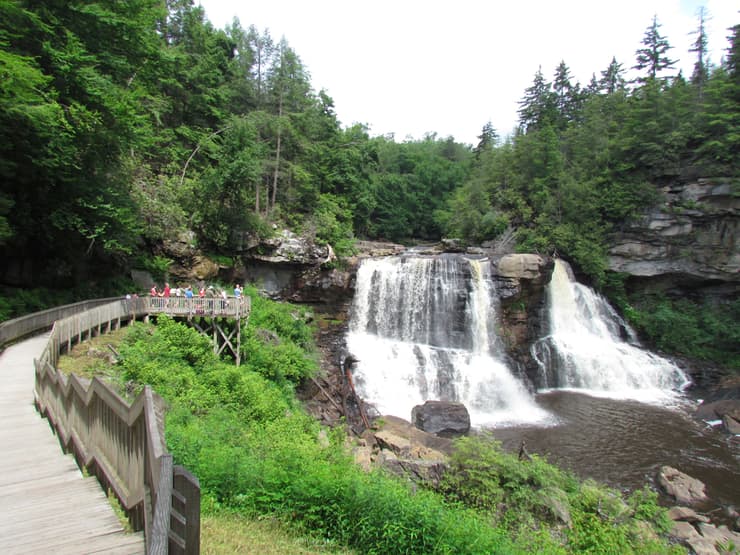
[121, 443]
[231, 307]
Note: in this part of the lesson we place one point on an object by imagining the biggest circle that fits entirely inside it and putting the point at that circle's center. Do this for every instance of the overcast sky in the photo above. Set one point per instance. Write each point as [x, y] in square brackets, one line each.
[409, 67]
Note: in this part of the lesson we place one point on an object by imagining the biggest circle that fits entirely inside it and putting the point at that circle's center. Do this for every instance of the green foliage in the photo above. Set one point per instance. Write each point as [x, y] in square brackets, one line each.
[158, 266]
[16, 302]
[279, 468]
[707, 330]
[522, 494]
[332, 223]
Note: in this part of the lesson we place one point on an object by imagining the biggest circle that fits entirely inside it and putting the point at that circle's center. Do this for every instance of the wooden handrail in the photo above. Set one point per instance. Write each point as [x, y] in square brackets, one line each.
[121, 443]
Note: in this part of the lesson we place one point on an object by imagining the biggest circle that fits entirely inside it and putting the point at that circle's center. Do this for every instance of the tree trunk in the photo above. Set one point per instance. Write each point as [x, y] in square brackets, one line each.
[277, 152]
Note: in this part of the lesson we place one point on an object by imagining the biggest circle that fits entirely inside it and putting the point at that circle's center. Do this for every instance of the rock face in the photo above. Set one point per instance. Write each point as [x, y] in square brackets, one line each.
[692, 236]
[443, 418]
[520, 283]
[682, 487]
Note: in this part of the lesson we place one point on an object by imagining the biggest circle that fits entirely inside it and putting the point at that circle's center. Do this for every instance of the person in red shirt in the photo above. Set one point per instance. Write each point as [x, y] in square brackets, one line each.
[166, 291]
[153, 292]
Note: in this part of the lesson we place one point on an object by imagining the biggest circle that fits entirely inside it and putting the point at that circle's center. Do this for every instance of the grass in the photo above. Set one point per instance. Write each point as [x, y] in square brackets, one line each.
[93, 356]
[119, 511]
[227, 533]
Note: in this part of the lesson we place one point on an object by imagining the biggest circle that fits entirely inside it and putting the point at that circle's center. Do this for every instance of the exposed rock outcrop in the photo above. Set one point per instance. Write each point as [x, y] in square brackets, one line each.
[404, 450]
[692, 237]
[520, 283]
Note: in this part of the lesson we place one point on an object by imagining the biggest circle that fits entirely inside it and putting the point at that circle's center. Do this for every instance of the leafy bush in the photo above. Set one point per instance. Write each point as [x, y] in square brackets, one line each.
[525, 495]
[709, 331]
[279, 343]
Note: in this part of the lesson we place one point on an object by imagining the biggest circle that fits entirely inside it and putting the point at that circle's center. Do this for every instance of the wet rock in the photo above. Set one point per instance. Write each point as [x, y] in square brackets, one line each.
[453, 245]
[731, 424]
[722, 404]
[378, 248]
[686, 514]
[682, 487]
[443, 418]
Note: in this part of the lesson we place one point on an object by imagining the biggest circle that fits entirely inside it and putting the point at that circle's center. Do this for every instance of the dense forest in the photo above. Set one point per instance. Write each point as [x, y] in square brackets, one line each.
[123, 124]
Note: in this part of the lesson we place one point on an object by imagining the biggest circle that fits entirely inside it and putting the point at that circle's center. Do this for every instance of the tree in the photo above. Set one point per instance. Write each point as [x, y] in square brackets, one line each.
[653, 57]
[537, 108]
[487, 139]
[701, 67]
[612, 78]
[565, 95]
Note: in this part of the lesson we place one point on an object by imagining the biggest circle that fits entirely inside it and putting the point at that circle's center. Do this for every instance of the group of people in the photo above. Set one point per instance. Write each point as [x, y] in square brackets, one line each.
[188, 292]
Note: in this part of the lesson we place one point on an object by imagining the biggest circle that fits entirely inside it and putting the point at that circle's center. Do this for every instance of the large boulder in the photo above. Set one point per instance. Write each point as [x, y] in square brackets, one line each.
[443, 418]
[682, 487]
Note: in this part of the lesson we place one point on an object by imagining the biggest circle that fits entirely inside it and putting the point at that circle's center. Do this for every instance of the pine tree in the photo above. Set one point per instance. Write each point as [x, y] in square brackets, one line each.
[612, 78]
[488, 139]
[538, 106]
[654, 56]
[701, 66]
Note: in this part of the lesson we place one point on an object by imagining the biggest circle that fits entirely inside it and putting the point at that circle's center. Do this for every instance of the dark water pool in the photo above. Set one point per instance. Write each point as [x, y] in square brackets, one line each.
[623, 443]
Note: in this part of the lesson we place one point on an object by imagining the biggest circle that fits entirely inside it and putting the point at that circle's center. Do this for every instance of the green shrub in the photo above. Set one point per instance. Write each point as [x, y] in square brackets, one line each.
[709, 331]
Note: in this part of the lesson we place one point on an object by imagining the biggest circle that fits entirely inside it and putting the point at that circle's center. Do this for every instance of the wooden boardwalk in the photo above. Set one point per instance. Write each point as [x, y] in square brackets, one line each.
[46, 505]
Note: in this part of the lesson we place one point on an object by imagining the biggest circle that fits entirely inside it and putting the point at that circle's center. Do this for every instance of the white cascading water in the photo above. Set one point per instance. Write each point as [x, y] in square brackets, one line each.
[422, 329]
[585, 349]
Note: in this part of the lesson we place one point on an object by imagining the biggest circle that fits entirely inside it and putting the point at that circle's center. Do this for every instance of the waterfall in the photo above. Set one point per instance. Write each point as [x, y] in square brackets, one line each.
[423, 329]
[586, 350]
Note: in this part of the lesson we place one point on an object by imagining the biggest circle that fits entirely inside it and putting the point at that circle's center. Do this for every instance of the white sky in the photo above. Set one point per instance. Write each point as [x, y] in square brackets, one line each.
[410, 67]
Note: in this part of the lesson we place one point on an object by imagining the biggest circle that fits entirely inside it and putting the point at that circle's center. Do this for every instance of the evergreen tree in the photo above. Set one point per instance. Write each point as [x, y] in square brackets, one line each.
[567, 96]
[653, 57]
[537, 108]
[701, 67]
[612, 78]
[486, 140]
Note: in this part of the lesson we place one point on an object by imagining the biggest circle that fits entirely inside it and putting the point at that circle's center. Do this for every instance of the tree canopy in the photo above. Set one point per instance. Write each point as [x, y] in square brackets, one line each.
[126, 124]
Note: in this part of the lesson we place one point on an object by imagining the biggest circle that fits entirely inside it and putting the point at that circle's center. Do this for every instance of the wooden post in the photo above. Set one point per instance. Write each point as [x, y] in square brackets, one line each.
[161, 520]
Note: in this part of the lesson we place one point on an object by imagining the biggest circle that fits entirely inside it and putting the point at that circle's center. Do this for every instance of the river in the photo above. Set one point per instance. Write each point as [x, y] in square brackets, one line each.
[623, 443]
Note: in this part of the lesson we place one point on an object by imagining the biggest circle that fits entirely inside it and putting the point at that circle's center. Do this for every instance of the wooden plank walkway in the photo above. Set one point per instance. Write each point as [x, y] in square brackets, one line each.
[46, 505]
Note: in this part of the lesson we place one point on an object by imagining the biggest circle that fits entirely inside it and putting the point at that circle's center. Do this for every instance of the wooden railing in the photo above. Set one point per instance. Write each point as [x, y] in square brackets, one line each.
[121, 443]
[17, 328]
[232, 307]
